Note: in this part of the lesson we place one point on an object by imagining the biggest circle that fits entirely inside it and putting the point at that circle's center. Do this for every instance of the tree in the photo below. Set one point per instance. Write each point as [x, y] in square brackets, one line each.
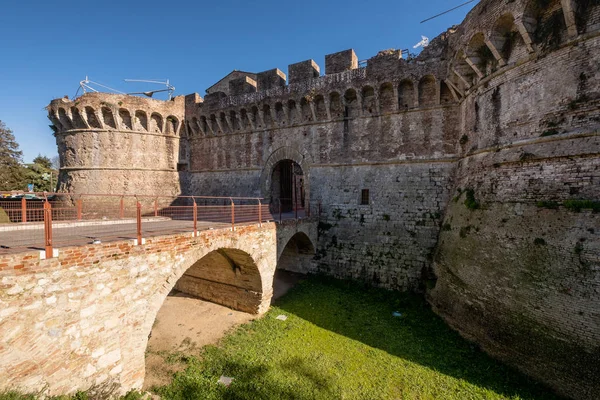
[43, 161]
[41, 174]
[11, 170]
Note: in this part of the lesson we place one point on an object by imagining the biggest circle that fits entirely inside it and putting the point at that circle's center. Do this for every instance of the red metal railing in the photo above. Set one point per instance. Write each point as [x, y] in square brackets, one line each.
[49, 220]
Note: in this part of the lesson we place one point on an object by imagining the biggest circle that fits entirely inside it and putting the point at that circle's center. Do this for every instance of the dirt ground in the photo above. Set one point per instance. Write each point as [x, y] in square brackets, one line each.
[184, 324]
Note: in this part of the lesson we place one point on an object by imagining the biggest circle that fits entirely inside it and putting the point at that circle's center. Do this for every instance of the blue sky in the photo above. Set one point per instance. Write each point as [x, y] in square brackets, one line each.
[48, 47]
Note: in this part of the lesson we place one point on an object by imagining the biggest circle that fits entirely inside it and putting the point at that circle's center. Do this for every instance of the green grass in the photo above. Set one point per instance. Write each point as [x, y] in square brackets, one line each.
[340, 341]
[14, 395]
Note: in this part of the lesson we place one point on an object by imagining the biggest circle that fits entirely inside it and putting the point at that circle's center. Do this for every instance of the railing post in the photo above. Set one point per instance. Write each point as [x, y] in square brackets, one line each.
[48, 228]
[308, 212]
[79, 209]
[259, 212]
[156, 207]
[122, 208]
[319, 209]
[195, 219]
[280, 210]
[232, 215]
[23, 209]
[295, 210]
[139, 223]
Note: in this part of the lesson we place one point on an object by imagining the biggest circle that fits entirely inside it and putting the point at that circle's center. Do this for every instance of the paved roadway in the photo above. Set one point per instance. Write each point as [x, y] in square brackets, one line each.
[32, 236]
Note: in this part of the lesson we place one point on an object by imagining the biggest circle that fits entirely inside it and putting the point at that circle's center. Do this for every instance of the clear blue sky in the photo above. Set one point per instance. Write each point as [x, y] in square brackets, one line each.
[47, 47]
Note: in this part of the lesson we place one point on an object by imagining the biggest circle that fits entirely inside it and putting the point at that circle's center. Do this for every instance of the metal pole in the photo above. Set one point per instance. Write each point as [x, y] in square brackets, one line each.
[122, 208]
[79, 209]
[280, 209]
[259, 213]
[195, 219]
[23, 209]
[156, 207]
[232, 215]
[48, 228]
[139, 223]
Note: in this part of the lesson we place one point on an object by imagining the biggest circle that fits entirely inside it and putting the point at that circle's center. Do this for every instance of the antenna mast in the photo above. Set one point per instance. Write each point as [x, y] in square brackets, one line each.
[447, 11]
[169, 88]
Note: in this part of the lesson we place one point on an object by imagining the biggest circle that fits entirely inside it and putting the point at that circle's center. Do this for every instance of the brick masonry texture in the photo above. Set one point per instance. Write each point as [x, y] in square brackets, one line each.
[504, 107]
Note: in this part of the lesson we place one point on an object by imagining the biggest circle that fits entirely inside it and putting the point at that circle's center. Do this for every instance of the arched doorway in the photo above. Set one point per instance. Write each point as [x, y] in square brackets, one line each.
[287, 187]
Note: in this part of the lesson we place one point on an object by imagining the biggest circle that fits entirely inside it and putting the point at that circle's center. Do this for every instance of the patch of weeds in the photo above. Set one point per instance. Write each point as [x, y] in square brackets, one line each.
[386, 217]
[323, 227]
[464, 231]
[470, 202]
[457, 197]
[578, 248]
[539, 242]
[526, 156]
[550, 132]
[548, 31]
[463, 140]
[362, 219]
[485, 57]
[446, 227]
[578, 205]
[337, 214]
[553, 205]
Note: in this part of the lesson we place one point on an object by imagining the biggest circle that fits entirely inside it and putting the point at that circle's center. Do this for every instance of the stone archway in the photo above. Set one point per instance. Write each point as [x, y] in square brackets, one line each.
[297, 254]
[285, 153]
[225, 276]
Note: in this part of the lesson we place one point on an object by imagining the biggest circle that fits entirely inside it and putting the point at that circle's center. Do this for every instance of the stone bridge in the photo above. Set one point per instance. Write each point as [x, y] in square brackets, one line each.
[81, 320]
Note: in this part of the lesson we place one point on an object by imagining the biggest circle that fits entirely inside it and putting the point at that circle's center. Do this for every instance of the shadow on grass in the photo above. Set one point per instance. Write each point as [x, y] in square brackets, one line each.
[365, 314]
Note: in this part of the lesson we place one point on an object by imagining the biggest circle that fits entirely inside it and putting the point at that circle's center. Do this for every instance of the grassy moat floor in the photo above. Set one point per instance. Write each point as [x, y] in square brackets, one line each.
[341, 341]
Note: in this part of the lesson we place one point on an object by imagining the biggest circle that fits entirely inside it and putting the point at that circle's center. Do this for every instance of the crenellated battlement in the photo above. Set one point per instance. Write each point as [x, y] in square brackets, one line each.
[106, 111]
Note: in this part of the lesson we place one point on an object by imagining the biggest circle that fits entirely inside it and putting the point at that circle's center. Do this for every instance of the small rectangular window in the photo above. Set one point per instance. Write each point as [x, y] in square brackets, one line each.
[364, 197]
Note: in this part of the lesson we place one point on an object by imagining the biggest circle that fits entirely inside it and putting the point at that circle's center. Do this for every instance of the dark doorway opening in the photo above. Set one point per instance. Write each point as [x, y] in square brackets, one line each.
[287, 186]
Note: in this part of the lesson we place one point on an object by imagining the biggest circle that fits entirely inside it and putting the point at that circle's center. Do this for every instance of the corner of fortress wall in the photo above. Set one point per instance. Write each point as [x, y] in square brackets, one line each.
[503, 108]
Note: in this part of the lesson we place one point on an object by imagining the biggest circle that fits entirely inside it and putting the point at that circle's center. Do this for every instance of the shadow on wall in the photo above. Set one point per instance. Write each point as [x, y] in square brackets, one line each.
[422, 337]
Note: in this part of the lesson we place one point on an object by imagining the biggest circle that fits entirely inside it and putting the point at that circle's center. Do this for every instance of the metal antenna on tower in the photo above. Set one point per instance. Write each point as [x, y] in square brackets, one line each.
[169, 88]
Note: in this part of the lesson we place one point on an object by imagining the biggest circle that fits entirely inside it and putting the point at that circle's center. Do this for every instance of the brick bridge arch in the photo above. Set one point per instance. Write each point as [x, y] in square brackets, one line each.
[91, 309]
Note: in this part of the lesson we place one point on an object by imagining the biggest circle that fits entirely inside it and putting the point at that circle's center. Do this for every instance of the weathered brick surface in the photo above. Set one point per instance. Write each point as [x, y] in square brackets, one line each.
[82, 320]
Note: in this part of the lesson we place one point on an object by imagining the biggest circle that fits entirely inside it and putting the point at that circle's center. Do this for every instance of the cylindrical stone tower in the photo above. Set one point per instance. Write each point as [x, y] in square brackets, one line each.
[118, 144]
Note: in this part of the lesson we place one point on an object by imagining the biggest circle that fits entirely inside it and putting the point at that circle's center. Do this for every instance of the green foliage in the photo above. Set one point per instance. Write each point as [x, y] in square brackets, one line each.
[13, 395]
[578, 205]
[578, 248]
[323, 227]
[464, 231]
[539, 242]
[463, 140]
[341, 341]
[386, 217]
[11, 171]
[510, 38]
[549, 132]
[446, 227]
[485, 57]
[470, 202]
[548, 31]
[553, 205]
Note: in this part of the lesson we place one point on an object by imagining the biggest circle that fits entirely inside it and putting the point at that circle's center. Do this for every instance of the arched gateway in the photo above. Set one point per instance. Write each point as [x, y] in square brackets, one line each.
[285, 179]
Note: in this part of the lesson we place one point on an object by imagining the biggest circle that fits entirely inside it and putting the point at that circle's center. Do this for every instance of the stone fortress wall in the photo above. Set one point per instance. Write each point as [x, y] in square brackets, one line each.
[477, 155]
